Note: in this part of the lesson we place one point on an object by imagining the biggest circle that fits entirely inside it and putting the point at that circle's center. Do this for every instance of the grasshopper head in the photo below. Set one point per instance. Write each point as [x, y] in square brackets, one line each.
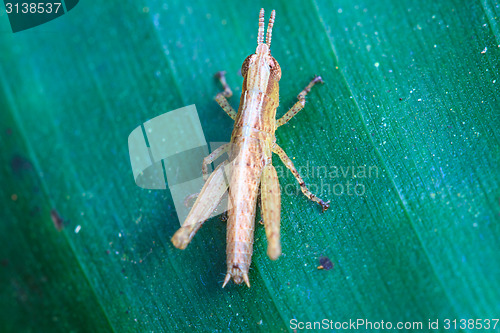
[262, 57]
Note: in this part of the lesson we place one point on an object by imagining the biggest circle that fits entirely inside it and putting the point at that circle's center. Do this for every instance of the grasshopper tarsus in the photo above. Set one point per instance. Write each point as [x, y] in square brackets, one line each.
[307, 89]
[324, 206]
[220, 74]
[318, 79]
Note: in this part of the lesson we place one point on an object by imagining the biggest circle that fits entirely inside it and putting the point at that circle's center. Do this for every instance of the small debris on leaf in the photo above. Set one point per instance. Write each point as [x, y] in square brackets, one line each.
[325, 263]
[56, 218]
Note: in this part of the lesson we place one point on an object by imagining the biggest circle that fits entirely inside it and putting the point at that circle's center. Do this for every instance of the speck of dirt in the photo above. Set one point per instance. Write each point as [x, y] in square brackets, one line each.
[326, 263]
[56, 218]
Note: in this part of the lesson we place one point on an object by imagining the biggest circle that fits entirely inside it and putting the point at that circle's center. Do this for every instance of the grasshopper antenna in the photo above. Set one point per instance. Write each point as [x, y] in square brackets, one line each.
[260, 36]
[270, 28]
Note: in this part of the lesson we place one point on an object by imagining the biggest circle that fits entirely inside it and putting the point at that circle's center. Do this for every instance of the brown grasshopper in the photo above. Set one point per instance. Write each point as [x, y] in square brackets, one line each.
[250, 153]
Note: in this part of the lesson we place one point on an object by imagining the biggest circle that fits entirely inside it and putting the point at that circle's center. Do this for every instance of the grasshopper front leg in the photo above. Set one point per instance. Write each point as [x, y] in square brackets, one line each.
[208, 199]
[222, 97]
[300, 104]
[271, 209]
[289, 164]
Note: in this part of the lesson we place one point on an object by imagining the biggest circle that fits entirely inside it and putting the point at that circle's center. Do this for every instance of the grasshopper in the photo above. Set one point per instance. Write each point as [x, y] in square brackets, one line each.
[250, 162]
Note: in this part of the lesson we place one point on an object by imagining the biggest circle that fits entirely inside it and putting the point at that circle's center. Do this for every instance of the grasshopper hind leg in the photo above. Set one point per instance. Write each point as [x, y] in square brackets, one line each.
[207, 201]
[271, 210]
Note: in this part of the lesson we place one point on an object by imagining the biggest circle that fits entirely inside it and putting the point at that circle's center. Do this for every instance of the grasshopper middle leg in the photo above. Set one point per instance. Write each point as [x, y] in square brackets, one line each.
[212, 157]
[206, 161]
[289, 164]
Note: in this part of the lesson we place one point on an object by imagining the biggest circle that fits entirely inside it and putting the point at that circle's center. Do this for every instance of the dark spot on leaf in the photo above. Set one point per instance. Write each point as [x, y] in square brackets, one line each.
[56, 218]
[19, 164]
[326, 263]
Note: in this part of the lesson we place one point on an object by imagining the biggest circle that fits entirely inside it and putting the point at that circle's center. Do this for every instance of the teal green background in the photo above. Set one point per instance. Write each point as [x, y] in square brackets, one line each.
[410, 87]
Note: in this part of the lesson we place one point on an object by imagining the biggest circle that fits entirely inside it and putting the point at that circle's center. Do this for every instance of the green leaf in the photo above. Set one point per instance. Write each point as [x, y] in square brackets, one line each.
[410, 97]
